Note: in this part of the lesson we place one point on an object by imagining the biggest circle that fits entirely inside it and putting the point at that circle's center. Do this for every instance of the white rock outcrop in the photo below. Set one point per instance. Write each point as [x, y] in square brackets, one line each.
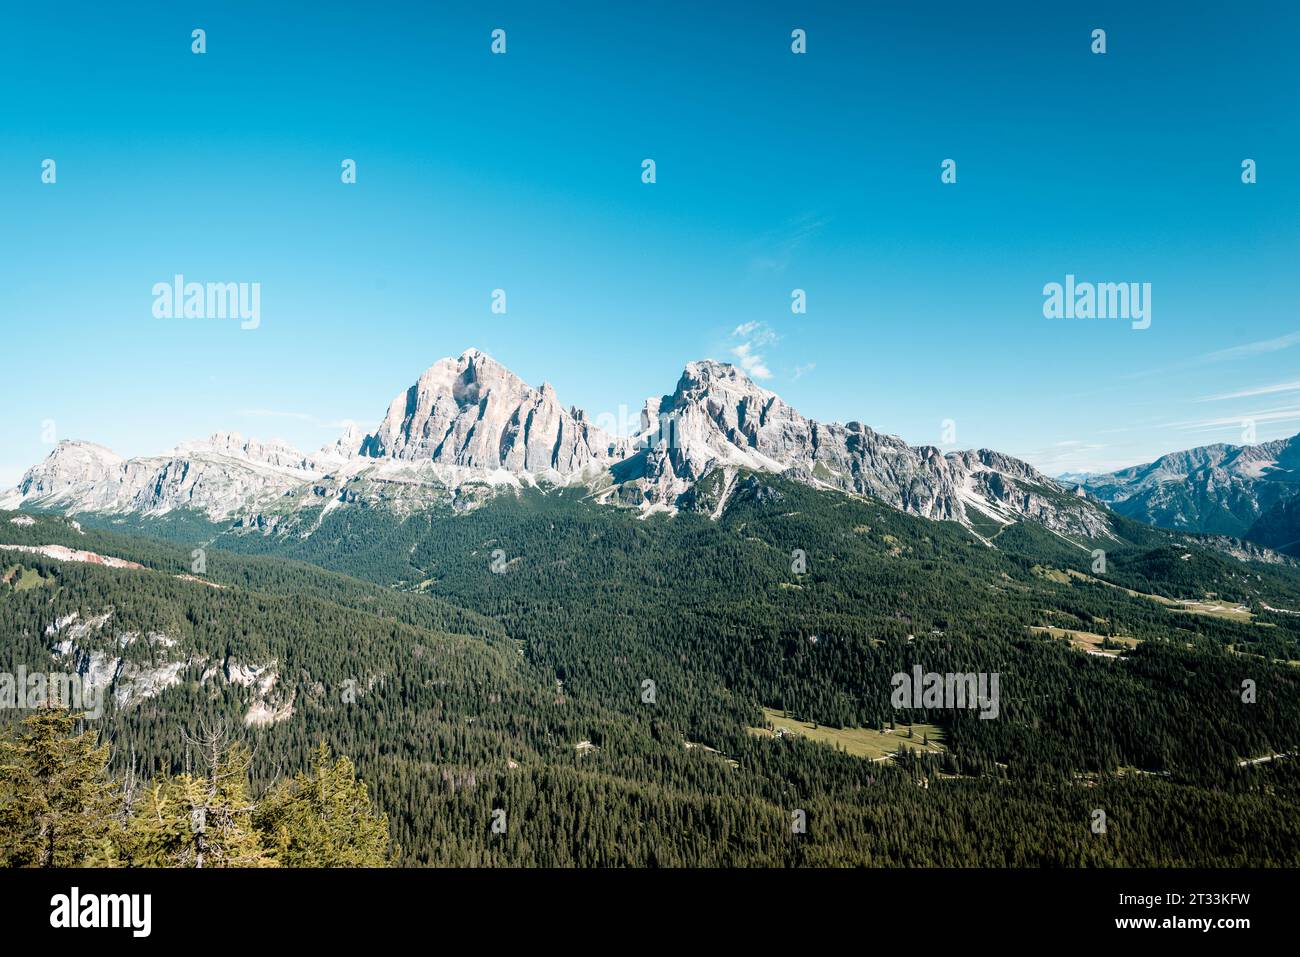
[474, 412]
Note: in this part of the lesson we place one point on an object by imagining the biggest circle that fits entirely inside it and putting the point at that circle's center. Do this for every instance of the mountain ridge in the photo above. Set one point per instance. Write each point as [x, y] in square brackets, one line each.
[1246, 491]
[469, 427]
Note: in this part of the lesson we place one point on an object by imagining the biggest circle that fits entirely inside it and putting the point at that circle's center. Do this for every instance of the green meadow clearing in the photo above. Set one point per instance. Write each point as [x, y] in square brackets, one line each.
[859, 742]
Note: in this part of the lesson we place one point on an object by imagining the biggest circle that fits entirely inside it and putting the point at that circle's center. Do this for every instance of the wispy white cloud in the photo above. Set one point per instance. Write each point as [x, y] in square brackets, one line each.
[755, 336]
[756, 333]
[753, 364]
[1287, 414]
[1245, 351]
[1254, 348]
[773, 250]
[1248, 393]
[1069, 455]
[803, 370]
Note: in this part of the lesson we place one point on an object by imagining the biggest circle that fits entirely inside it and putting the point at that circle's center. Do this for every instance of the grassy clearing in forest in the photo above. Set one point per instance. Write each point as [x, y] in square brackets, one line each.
[859, 742]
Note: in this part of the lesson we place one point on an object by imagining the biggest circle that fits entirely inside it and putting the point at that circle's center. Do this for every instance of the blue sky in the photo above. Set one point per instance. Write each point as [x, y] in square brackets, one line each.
[774, 172]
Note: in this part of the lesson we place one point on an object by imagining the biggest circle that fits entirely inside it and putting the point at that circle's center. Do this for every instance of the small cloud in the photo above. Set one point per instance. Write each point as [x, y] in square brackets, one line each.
[803, 370]
[756, 335]
[756, 332]
[753, 365]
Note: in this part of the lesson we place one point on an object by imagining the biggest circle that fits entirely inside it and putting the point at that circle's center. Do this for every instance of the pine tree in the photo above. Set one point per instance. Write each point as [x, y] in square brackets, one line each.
[324, 819]
[55, 795]
[192, 821]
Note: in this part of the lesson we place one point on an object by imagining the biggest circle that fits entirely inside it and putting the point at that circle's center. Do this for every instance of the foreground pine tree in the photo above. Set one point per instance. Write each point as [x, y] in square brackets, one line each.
[59, 807]
[193, 821]
[55, 793]
[324, 819]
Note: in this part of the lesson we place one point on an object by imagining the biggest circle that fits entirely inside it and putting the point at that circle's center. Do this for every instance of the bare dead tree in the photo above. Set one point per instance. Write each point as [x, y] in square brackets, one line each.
[212, 746]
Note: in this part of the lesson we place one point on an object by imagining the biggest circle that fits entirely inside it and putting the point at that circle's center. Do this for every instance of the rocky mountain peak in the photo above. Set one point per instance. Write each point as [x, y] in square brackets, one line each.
[274, 452]
[472, 411]
[346, 445]
[719, 418]
[71, 462]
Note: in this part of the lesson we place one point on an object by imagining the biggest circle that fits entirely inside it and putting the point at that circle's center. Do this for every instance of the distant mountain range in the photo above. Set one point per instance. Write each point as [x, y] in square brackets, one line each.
[469, 428]
[1246, 491]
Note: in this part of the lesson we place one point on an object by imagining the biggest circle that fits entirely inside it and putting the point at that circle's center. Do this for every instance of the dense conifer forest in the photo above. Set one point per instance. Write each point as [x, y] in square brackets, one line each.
[540, 681]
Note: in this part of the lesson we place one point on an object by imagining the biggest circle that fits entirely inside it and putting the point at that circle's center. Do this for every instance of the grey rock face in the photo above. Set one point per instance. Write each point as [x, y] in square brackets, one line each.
[70, 464]
[474, 412]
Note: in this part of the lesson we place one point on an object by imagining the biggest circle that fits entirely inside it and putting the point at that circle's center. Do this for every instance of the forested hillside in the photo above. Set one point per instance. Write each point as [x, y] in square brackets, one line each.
[543, 682]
